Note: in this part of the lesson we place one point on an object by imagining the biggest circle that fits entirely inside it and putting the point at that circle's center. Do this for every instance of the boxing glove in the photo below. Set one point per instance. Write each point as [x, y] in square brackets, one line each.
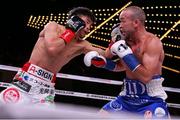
[116, 34]
[93, 58]
[121, 49]
[73, 25]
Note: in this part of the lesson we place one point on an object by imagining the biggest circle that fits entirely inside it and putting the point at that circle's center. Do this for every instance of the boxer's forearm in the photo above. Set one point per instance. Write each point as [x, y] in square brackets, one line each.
[143, 74]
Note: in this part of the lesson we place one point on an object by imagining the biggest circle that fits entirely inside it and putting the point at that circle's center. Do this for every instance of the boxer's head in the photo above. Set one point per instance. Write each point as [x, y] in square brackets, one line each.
[86, 15]
[131, 19]
[83, 11]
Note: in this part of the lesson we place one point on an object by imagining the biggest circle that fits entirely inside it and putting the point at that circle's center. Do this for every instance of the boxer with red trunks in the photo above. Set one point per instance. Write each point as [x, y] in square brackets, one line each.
[55, 47]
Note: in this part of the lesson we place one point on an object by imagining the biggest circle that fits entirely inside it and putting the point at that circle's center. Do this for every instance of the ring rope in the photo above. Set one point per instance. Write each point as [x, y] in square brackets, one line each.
[88, 79]
[87, 95]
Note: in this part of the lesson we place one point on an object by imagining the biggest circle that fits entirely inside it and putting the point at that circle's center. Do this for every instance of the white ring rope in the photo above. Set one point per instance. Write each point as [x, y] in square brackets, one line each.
[71, 93]
[68, 76]
[87, 95]
[91, 79]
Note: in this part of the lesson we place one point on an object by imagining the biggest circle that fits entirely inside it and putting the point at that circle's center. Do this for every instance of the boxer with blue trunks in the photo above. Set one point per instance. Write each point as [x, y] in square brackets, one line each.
[141, 56]
[137, 97]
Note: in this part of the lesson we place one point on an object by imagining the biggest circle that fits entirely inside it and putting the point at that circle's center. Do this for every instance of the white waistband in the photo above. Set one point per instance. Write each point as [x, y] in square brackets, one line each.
[32, 79]
[32, 84]
[155, 88]
[40, 72]
[136, 88]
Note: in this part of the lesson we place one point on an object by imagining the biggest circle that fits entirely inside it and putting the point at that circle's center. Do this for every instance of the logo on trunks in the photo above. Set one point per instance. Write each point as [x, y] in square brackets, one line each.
[39, 72]
[11, 95]
[41, 83]
[159, 112]
[134, 88]
[47, 91]
[22, 85]
[115, 105]
[21, 75]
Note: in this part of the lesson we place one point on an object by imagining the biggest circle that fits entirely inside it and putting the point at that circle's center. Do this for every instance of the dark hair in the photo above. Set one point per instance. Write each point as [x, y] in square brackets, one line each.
[81, 11]
[138, 13]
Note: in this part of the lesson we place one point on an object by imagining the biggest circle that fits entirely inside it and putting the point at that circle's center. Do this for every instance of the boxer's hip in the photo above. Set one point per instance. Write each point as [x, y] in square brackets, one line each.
[34, 80]
[135, 88]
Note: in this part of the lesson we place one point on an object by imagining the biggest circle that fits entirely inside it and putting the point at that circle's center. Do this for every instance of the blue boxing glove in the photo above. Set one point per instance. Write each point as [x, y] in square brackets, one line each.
[73, 25]
[93, 58]
[121, 49]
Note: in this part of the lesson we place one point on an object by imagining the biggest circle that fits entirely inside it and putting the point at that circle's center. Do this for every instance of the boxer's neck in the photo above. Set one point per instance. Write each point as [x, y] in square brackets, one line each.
[137, 38]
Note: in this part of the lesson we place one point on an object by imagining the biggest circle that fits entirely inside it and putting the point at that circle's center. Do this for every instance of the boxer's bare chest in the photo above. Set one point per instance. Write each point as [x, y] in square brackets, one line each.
[72, 50]
[138, 50]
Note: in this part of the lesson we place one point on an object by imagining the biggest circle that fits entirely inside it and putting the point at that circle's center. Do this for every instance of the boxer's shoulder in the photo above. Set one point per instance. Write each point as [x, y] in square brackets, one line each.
[53, 24]
[50, 24]
[152, 41]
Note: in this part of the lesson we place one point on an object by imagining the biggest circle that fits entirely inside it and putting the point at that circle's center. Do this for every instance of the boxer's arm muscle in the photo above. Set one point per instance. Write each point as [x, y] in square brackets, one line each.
[88, 47]
[53, 43]
[150, 62]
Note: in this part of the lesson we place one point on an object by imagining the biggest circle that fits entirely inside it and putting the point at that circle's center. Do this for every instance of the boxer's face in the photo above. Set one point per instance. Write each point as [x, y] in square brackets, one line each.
[126, 24]
[87, 28]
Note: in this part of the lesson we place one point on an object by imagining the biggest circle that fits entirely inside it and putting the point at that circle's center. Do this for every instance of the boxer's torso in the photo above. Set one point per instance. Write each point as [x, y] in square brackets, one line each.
[41, 57]
[139, 51]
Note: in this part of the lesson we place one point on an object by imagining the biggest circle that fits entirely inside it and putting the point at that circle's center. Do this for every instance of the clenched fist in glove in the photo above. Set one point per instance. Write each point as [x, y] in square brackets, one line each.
[116, 35]
[121, 49]
[93, 58]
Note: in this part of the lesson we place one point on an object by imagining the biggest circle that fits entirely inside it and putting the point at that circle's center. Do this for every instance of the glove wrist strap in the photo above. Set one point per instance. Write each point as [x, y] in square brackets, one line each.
[110, 65]
[131, 61]
[67, 36]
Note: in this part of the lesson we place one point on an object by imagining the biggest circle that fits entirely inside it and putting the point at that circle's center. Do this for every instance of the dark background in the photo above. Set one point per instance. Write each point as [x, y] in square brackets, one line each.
[18, 39]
